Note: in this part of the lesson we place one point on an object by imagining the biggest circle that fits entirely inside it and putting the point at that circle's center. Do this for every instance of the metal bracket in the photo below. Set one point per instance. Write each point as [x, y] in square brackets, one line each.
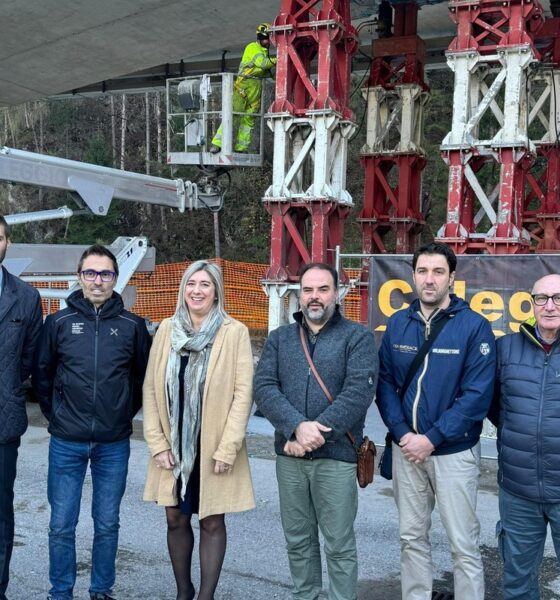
[96, 195]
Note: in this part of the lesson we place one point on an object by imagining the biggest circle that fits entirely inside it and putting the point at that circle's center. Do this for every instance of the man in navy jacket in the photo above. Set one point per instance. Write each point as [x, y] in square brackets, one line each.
[20, 323]
[437, 425]
[526, 410]
[88, 377]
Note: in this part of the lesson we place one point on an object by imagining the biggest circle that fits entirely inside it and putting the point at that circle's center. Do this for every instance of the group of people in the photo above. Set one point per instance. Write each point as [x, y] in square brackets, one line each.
[438, 375]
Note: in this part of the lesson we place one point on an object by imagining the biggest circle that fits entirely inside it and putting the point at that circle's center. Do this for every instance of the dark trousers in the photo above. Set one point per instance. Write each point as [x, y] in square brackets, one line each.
[8, 458]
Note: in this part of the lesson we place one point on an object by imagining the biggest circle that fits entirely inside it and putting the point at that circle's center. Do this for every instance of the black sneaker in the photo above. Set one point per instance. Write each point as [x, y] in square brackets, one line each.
[100, 596]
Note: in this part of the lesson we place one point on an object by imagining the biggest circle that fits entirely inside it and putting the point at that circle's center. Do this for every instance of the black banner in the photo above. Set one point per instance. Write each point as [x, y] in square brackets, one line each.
[497, 287]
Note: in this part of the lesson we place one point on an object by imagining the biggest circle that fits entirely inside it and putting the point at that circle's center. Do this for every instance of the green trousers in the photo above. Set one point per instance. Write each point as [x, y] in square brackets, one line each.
[319, 494]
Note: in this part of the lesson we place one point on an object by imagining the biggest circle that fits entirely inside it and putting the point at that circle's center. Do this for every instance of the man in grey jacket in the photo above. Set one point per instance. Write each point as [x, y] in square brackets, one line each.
[316, 462]
[20, 323]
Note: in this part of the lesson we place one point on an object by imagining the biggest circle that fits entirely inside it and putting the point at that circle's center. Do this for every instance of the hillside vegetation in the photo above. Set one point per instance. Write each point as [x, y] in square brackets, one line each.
[129, 132]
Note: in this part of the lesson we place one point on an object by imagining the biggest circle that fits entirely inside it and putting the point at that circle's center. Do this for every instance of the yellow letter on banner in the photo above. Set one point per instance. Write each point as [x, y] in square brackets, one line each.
[460, 289]
[488, 301]
[385, 292]
[516, 310]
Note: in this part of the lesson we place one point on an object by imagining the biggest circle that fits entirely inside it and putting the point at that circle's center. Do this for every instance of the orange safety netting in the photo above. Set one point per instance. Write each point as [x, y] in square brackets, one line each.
[156, 293]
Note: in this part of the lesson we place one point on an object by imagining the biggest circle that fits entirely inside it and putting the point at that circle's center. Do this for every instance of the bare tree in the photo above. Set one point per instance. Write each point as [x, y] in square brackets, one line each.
[157, 101]
[148, 151]
[42, 107]
[30, 123]
[123, 130]
[4, 139]
[113, 131]
[10, 127]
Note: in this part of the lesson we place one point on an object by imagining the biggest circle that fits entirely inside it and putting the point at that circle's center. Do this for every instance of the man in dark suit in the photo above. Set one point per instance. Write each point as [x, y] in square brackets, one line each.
[20, 323]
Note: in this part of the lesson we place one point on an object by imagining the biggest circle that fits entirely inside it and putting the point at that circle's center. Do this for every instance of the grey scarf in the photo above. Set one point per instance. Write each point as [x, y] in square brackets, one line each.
[197, 345]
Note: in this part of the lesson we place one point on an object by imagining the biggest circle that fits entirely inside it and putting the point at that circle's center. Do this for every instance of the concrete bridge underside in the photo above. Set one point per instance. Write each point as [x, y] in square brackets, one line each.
[53, 47]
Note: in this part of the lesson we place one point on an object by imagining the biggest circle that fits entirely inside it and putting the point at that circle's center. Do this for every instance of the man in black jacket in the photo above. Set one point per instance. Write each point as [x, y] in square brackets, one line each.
[20, 323]
[88, 376]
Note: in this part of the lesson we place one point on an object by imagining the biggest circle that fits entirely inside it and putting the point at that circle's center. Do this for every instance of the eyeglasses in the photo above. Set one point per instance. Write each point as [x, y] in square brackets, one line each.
[91, 275]
[542, 299]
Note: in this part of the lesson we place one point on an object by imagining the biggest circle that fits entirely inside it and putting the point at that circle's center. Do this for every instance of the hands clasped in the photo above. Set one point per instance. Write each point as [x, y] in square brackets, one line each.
[416, 447]
[308, 438]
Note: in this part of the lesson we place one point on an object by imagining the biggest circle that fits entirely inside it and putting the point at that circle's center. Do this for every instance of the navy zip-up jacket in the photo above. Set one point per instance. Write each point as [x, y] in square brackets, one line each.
[450, 394]
[526, 410]
[20, 322]
[89, 369]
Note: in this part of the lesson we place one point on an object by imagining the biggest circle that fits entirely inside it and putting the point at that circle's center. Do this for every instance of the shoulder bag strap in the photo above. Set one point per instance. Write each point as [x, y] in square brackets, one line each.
[321, 383]
[424, 349]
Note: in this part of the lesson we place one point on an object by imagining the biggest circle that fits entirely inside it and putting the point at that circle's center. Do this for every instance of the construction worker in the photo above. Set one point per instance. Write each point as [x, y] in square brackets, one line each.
[256, 64]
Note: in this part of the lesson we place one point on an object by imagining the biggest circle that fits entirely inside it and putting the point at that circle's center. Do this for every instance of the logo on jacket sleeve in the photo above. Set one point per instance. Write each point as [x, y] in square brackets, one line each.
[484, 348]
[77, 328]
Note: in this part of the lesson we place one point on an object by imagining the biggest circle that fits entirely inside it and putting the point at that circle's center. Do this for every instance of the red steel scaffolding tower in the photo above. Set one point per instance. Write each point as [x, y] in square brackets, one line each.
[393, 157]
[505, 123]
[311, 122]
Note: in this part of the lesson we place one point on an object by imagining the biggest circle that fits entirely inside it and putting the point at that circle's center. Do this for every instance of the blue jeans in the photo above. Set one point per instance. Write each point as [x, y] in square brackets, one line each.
[521, 537]
[8, 458]
[68, 463]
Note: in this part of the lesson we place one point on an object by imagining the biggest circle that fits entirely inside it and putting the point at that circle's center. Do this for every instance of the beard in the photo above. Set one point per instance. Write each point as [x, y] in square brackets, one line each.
[435, 299]
[319, 313]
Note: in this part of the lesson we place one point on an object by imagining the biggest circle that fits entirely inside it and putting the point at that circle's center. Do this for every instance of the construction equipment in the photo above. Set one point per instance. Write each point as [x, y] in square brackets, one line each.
[54, 265]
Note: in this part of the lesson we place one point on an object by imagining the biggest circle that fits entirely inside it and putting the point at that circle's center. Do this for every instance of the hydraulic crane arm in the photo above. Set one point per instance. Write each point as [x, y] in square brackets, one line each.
[98, 185]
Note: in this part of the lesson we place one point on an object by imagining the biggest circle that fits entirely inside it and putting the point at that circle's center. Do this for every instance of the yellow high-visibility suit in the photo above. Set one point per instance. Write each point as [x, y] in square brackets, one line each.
[256, 64]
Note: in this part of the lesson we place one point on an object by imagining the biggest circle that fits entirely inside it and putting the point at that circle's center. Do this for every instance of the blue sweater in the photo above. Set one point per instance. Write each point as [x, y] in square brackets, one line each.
[287, 393]
[527, 412]
[450, 393]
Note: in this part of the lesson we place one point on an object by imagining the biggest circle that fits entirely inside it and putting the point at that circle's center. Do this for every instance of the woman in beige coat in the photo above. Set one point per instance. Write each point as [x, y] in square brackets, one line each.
[197, 401]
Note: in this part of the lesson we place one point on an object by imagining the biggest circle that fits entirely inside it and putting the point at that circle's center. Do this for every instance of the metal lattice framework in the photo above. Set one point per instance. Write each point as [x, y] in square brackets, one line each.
[312, 122]
[541, 214]
[490, 149]
[393, 157]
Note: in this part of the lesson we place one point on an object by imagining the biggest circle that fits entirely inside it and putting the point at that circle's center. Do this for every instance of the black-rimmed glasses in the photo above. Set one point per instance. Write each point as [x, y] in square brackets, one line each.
[92, 275]
[542, 299]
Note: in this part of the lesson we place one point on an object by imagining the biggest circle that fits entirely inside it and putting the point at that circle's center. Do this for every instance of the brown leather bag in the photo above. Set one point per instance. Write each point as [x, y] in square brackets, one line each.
[366, 462]
[366, 451]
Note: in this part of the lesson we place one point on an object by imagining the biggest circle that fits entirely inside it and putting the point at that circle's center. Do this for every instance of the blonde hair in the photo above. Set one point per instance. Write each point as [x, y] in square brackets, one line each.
[215, 274]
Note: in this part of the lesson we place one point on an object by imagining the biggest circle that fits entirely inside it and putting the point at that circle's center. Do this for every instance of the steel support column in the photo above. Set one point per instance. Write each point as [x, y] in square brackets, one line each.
[311, 122]
[542, 202]
[492, 57]
[393, 157]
